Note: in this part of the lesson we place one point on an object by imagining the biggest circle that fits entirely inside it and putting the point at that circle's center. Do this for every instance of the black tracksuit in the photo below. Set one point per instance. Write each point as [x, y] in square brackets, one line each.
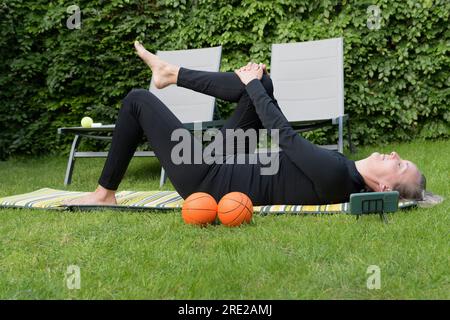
[307, 174]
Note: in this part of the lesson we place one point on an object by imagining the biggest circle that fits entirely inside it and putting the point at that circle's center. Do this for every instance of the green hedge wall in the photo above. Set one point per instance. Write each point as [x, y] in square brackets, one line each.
[396, 77]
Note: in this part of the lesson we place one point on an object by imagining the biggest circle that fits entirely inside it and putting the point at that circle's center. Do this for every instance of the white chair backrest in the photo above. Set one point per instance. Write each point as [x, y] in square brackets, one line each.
[187, 105]
[308, 79]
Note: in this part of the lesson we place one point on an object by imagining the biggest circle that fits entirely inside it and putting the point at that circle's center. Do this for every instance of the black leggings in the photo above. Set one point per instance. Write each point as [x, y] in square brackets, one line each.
[143, 113]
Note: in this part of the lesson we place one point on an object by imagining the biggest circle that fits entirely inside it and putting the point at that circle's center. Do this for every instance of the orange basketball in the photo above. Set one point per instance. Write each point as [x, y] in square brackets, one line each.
[234, 209]
[199, 208]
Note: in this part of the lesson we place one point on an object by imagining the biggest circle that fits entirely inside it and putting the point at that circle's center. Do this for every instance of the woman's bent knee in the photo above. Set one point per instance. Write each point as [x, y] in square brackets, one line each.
[136, 95]
[137, 98]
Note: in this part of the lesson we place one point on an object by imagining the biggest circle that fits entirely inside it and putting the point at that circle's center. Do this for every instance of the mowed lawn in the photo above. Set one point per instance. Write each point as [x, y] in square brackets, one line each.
[155, 255]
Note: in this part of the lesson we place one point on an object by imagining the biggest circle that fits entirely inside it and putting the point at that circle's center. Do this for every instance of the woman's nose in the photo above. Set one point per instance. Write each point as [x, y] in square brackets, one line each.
[394, 155]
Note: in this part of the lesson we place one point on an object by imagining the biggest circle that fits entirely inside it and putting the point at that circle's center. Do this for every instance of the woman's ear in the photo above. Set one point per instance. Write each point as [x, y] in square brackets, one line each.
[383, 187]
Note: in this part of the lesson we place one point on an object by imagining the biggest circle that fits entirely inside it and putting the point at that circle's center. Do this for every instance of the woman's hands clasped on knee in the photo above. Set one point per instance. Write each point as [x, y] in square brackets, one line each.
[250, 72]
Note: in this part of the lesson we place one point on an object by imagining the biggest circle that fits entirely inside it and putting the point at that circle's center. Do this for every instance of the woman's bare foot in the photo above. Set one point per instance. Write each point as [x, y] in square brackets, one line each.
[164, 73]
[100, 196]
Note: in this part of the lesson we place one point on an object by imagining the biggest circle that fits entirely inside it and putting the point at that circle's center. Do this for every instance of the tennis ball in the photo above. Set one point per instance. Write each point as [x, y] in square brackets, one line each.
[234, 209]
[199, 208]
[86, 122]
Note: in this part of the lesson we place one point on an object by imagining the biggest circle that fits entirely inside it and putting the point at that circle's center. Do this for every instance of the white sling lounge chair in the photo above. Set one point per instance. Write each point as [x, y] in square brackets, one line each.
[308, 82]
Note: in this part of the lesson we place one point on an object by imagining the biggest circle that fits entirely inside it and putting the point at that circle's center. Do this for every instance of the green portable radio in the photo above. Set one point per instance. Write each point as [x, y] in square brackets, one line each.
[374, 203]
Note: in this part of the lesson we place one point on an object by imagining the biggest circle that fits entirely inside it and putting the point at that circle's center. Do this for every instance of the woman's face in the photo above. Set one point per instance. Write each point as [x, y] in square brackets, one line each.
[392, 170]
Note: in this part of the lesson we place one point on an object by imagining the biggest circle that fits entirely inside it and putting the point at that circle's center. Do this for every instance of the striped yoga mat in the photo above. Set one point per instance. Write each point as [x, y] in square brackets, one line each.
[47, 198]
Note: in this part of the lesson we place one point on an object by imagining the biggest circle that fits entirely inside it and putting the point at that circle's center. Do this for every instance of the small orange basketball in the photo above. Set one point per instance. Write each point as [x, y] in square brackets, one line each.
[234, 209]
[199, 208]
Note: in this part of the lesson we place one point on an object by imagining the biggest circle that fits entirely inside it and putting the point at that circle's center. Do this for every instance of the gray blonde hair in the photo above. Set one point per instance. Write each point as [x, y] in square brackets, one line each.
[418, 192]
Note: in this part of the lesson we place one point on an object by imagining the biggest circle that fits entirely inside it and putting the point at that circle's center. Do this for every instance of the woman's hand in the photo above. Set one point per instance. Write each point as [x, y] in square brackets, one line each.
[250, 72]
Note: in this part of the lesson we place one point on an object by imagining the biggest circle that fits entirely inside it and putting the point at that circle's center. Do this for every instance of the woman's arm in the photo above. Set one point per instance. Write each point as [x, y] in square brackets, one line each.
[317, 163]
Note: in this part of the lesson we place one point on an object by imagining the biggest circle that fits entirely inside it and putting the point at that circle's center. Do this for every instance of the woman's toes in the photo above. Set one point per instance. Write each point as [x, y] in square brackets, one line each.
[149, 58]
[139, 48]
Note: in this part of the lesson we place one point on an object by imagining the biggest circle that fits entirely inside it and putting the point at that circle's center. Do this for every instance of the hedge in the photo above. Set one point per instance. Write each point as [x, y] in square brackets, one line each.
[396, 71]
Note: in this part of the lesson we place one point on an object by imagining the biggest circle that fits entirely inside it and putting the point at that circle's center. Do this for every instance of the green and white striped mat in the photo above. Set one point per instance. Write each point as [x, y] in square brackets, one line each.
[47, 198]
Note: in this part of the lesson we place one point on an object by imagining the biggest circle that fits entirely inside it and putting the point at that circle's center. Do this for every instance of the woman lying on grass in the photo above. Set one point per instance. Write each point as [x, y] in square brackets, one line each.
[307, 174]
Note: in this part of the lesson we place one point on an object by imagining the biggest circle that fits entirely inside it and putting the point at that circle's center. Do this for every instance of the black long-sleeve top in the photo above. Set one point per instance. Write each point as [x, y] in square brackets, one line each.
[307, 174]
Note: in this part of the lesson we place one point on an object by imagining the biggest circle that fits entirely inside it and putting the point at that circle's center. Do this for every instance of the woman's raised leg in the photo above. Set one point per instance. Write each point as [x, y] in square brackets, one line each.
[222, 85]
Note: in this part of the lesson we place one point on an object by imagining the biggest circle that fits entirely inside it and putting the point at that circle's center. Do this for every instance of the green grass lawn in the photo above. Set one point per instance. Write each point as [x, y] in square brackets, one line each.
[155, 255]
